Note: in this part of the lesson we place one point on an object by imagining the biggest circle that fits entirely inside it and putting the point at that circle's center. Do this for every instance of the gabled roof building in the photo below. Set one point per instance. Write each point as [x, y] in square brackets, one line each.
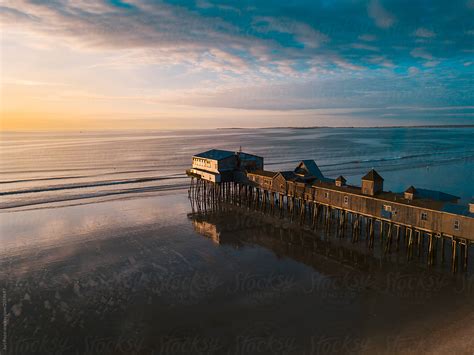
[308, 168]
[372, 183]
[218, 165]
[341, 181]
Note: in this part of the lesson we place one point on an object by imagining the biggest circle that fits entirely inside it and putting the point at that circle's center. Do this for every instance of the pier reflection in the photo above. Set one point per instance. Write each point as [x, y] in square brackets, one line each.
[237, 226]
[229, 225]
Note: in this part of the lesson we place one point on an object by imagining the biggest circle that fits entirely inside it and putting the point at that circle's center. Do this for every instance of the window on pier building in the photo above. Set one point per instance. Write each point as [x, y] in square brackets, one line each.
[424, 216]
[326, 195]
[346, 200]
[456, 225]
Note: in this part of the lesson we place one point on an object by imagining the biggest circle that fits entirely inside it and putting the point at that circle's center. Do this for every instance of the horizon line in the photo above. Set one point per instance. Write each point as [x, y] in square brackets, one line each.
[236, 128]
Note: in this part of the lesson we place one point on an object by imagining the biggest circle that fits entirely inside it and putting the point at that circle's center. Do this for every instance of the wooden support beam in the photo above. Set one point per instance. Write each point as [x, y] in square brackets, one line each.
[398, 238]
[453, 255]
[421, 242]
[435, 247]
[430, 249]
[280, 205]
[388, 243]
[410, 243]
[342, 222]
[359, 227]
[367, 229]
[355, 230]
[466, 252]
[314, 216]
[292, 207]
[372, 233]
[353, 227]
[264, 202]
[381, 233]
[418, 242]
[442, 248]
[328, 218]
[302, 211]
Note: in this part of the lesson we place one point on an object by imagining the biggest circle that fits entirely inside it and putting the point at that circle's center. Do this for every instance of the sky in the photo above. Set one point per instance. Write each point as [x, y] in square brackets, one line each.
[138, 64]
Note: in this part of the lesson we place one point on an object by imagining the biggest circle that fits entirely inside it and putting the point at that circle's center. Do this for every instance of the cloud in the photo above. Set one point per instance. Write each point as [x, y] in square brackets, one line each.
[365, 47]
[424, 33]
[382, 61]
[101, 25]
[346, 65]
[413, 70]
[303, 33]
[382, 17]
[431, 63]
[366, 91]
[206, 36]
[367, 37]
[27, 82]
[421, 53]
[267, 56]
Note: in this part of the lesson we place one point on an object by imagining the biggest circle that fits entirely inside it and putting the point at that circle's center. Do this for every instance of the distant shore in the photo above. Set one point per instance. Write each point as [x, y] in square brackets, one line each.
[355, 127]
[69, 131]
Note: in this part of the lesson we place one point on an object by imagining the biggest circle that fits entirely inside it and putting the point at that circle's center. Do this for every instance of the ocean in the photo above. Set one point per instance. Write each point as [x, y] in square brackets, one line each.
[102, 253]
[37, 169]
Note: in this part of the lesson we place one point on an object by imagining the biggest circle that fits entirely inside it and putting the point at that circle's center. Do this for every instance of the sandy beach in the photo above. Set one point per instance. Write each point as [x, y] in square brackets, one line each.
[140, 275]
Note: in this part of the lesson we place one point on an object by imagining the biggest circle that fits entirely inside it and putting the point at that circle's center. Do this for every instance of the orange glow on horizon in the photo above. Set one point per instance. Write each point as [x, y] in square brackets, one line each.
[55, 122]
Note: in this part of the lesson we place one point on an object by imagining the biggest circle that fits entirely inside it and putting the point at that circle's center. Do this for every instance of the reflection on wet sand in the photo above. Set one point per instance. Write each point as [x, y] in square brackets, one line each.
[228, 224]
[231, 226]
[250, 286]
[347, 272]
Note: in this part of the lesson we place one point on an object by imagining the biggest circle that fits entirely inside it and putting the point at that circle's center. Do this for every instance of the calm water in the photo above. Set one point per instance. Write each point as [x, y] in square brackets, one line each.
[102, 253]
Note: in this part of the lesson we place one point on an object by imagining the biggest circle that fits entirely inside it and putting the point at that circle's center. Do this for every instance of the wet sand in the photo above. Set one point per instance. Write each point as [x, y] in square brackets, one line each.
[149, 275]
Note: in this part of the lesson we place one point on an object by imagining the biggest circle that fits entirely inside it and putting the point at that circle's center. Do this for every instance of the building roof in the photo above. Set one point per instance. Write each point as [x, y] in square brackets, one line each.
[247, 156]
[429, 203]
[429, 199]
[435, 195]
[341, 178]
[288, 175]
[291, 176]
[266, 173]
[215, 154]
[431, 194]
[372, 175]
[310, 167]
[457, 209]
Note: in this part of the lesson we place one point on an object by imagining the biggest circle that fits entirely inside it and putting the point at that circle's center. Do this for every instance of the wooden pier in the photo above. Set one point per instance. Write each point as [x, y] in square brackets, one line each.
[422, 223]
